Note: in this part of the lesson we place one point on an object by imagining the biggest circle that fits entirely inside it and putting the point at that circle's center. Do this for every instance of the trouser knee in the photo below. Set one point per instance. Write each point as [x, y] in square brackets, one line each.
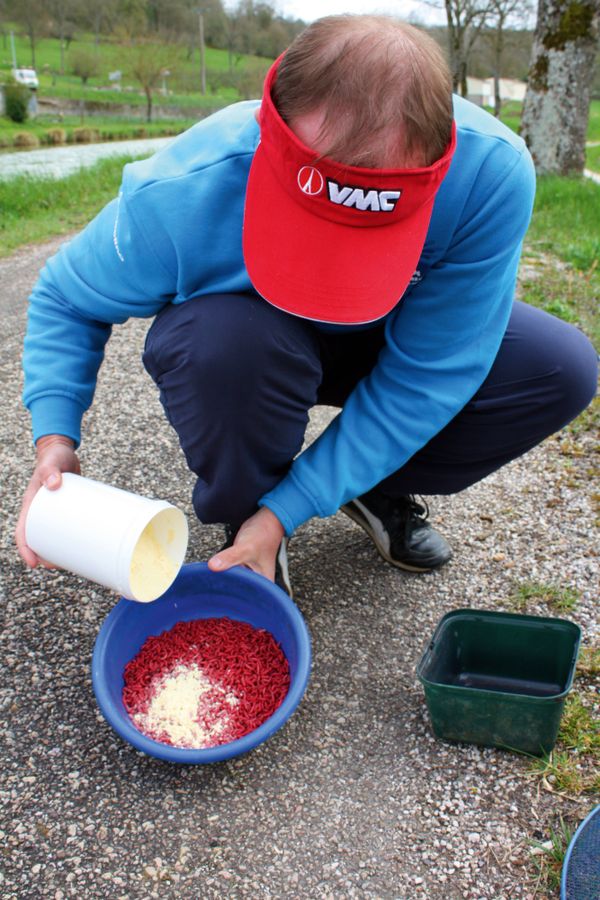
[236, 378]
[577, 377]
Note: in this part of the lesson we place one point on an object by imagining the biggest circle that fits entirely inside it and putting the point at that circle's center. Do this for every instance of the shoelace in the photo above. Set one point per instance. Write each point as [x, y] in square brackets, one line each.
[409, 510]
[418, 510]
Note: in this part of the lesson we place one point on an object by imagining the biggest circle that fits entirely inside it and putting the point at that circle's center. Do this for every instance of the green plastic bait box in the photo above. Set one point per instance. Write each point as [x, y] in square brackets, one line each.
[499, 679]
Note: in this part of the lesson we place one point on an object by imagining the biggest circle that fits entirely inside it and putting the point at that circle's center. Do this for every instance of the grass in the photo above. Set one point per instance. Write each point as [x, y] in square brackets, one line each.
[566, 220]
[593, 133]
[183, 84]
[559, 600]
[588, 665]
[36, 208]
[573, 766]
[511, 116]
[565, 227]
[104, 129]
[580, 729]
[592, 158]
[548, 857]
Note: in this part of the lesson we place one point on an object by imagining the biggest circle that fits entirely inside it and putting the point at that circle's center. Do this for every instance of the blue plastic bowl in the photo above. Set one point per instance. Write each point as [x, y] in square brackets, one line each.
[198, 593]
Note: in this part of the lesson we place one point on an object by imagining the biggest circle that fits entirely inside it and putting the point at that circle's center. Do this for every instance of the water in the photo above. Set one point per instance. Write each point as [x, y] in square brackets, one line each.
[57, 162]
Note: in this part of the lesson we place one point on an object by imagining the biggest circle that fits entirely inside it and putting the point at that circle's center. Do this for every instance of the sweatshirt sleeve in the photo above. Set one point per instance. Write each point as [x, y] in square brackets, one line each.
[106, 274]
[441, 342]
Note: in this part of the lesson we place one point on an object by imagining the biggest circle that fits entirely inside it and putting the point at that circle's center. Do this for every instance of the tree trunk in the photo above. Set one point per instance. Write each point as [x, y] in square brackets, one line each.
[148, 92]
[557, 102]
[453, 47]
[498, 50]
[464, 87]
[32, 40]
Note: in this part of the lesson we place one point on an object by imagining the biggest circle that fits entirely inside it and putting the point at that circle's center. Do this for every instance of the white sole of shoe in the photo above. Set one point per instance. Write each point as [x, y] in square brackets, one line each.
[380, 537]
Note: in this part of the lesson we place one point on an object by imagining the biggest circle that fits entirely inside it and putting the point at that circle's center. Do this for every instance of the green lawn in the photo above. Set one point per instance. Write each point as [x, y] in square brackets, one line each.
[592, 158]
[594, 122]
[183, 84]
[36, 208]
[511, 116]
[566, 227]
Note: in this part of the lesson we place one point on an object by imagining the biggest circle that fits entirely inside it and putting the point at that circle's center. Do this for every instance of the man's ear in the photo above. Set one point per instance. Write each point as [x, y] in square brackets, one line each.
[257, 114]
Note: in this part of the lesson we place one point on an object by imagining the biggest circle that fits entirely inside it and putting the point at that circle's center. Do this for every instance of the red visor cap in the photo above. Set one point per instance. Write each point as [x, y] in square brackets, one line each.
[329, 242]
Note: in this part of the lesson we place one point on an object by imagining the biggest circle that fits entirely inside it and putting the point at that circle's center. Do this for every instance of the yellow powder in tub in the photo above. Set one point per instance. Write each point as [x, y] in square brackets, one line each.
[152, 569]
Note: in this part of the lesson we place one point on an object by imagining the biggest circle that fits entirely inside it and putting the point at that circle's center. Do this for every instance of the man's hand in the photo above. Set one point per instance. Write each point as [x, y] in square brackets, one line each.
[255, 546]
[55, 455]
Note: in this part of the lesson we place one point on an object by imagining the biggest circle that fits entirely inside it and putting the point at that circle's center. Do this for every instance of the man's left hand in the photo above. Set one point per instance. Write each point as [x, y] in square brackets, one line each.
[255, 546]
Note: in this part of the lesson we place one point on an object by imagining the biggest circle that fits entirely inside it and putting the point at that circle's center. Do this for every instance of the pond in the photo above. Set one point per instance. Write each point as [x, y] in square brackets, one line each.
[57, 162]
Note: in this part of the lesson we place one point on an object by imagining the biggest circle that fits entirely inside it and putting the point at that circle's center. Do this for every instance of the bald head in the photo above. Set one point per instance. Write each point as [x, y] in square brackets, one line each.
[377, 91]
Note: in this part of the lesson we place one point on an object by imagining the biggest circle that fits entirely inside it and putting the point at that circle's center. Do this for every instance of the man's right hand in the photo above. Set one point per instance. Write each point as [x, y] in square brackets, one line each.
[55, 455]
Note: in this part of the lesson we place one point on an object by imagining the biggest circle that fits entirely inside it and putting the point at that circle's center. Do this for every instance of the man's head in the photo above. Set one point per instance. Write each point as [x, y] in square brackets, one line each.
[374, 91]
[356, 137]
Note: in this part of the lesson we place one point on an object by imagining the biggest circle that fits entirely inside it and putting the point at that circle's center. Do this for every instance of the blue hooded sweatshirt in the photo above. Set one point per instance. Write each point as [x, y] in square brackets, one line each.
[175, 233]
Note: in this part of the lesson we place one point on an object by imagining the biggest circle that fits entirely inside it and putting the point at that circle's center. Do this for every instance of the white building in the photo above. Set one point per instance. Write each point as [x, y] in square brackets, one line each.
[481, 90]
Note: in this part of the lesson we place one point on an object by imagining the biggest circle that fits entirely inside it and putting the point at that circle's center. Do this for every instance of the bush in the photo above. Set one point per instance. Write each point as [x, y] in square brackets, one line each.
[84, 63]
[85, 135]
[55, 136]
[16, 101]
[26, 139]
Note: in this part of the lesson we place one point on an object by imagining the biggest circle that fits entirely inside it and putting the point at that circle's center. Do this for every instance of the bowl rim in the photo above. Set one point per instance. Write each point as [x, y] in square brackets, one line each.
[127, 730]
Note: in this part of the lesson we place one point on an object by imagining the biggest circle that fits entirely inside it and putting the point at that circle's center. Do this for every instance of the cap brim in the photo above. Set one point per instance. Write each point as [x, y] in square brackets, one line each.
[324, 270]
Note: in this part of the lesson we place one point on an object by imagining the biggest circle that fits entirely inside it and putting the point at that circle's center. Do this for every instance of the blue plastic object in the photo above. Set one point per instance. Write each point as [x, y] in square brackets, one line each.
[581, 867]
[198, 593]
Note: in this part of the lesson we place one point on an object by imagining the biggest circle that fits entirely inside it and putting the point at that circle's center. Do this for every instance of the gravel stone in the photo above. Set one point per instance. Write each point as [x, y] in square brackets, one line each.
[354, 797]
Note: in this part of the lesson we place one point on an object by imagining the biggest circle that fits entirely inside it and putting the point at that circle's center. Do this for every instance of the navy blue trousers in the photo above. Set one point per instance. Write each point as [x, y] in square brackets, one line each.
[237, 378]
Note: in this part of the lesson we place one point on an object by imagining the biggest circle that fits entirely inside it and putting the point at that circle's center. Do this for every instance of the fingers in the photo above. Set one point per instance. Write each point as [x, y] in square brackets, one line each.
[55, 455]
[26, 554]
[237, 556]
[224, 560]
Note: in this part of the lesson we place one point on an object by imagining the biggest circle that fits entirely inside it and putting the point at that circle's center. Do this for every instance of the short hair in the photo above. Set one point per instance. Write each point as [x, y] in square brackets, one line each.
[384, 86]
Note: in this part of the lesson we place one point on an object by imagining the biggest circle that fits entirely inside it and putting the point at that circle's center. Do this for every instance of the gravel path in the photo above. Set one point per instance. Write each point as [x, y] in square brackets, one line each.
[354, 798]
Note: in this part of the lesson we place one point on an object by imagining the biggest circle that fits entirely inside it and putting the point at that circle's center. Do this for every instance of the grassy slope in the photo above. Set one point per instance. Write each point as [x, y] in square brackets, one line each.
[184, 80]
[35, 208]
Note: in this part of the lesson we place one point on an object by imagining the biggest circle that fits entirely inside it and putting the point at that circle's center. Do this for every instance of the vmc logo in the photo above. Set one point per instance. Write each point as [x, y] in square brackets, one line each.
[310, 181]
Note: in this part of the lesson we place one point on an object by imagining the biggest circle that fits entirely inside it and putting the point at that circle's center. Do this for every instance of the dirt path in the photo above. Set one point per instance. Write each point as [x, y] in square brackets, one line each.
[354, 798]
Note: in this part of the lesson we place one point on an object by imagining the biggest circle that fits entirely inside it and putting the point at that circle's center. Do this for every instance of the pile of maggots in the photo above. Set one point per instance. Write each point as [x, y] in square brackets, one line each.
[205, 682]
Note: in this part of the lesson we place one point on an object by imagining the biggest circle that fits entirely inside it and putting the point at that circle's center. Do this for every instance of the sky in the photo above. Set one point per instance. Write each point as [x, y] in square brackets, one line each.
[412, 10]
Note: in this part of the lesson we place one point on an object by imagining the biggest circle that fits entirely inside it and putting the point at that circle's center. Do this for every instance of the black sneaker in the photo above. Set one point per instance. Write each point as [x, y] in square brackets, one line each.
[399, 529]
[282, 575]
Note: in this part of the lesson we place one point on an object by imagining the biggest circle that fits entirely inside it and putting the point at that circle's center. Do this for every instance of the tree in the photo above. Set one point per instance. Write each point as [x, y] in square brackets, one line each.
[557, 102]
[147, 61]
[502, 12]
[100, 15]
[465, 19]
[62, 12]
[32, 15]
[232, 23]
[84, 63]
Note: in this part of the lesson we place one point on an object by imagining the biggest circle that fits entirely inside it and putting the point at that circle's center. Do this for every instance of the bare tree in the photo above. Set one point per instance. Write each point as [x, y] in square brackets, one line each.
[100, 15]
[465, 20]
[147, 62]
[502, 14]
[31, 14]
[232, 35]
[62, 12]
[557, 102]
